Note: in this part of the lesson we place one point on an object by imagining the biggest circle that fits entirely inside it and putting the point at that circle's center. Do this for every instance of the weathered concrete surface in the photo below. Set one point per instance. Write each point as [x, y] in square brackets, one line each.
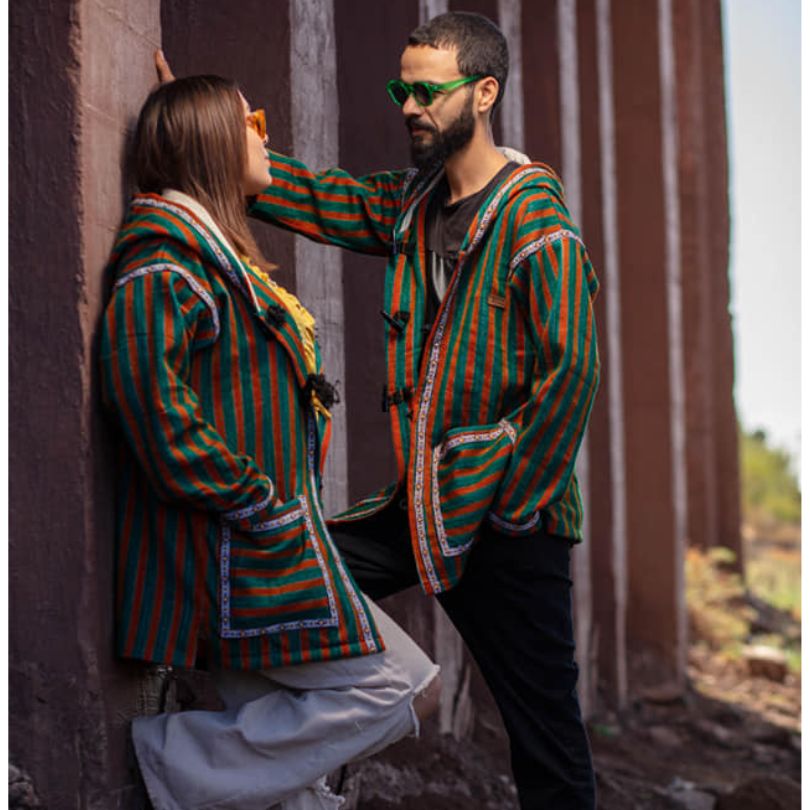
[248, 41]
[727, 470]
[371, 137]
[603, 491]
[68, 101]
[654, 604]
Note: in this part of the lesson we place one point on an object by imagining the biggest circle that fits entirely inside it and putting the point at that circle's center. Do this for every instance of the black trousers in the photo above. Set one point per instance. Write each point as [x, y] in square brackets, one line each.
[513, 609]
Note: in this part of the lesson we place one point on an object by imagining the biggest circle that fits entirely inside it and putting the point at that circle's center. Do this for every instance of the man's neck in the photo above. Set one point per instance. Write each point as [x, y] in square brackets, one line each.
[471, 168]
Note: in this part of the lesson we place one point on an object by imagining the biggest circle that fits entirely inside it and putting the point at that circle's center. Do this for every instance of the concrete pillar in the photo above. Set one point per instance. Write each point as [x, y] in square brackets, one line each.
[318, 268]
[697, 220]
[647, 209]
[371, 136]
[71, 102]
[727, 475]
[606, 501]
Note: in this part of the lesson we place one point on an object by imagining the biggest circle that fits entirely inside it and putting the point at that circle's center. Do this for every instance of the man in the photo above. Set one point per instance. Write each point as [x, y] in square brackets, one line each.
[492, 369]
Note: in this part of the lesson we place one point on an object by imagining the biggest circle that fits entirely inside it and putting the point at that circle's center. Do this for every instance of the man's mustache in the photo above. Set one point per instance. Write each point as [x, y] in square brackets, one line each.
[413, 126]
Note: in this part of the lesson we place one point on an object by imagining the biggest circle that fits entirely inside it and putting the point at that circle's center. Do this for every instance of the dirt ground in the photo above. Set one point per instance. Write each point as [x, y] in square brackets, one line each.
[727, 731]
[729, 741]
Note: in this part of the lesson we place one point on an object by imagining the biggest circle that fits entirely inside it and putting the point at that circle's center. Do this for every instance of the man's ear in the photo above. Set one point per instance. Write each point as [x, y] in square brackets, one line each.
[487, 92]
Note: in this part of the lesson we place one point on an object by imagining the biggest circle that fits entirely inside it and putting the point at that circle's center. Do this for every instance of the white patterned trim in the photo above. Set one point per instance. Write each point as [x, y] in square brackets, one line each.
[359, 609]
[421, 438]
[432, 369]
[236, 275]
[438, 455]
[533, 247]
[496, 201]
[226, 631]
[165, 267]
[248, 511]
[515, 527]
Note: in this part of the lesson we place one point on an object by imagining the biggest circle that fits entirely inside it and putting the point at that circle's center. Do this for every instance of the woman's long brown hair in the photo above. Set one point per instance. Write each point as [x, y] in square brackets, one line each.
[191, 137]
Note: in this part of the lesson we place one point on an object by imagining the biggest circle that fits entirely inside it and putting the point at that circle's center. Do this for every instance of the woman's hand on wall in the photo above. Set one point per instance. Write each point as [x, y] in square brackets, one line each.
[164, 72]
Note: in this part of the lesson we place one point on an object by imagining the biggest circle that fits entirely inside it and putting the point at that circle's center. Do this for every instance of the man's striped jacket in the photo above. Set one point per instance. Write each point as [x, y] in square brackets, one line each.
[220, 531]
[487, 410]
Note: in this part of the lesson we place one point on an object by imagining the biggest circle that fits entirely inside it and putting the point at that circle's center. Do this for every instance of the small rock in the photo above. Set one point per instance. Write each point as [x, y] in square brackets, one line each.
[766, 662]
[763, 793]
[770, 734]
[763, 754]
[695, 800]
[664, 736]
[687, 796]
[670, 692]
[717, 733]
[21, 793]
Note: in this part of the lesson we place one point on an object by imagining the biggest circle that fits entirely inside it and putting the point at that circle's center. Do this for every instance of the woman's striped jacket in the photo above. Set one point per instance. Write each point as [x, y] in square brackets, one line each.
[220, 530]
[487, 410]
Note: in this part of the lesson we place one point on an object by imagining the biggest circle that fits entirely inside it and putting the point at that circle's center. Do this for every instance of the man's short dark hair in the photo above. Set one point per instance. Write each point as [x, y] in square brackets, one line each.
[480, 45]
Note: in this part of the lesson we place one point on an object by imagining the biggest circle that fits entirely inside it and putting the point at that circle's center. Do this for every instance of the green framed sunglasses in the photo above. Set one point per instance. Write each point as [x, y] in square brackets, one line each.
[423, 92]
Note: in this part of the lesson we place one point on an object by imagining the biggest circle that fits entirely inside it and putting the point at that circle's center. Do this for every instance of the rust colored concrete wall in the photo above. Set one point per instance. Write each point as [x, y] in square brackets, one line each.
[70, 100]
[713, 494]
[541, 83]
[244, 42]
[726, 461]
[114, 84]
[609, 649]
[372, 137]
[697, 222]
[654, 602]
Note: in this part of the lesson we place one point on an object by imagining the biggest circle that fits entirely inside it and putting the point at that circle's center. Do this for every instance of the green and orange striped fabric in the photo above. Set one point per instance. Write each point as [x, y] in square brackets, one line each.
[489, 409]
[220, 530]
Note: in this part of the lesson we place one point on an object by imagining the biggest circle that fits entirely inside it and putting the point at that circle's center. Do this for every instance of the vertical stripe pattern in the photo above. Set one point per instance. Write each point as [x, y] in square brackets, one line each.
[493, 402]
[220, 533]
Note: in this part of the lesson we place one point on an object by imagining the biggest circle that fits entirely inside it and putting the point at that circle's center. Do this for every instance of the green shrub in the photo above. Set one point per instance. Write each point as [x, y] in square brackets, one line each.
[770, 489]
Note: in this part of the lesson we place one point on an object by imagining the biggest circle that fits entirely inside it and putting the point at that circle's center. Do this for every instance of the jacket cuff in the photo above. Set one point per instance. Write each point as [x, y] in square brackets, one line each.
[249, 518]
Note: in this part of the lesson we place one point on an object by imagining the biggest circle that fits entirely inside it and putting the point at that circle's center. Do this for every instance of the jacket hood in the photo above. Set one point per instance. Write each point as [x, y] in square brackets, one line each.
[152, 217]
[527, 176]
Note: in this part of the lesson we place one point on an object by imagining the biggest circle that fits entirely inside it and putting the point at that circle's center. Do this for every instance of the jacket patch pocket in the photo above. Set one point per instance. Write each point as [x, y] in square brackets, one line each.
[467, 468]
[275, 578]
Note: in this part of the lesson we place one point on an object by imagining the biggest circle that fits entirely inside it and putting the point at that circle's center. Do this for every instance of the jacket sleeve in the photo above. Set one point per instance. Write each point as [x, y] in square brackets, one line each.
[159, 314]
[554, 286]
[332, 206]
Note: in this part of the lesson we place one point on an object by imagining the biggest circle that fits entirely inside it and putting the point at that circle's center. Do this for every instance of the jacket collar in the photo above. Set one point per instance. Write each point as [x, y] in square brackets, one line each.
[204, 236]
[419, 186]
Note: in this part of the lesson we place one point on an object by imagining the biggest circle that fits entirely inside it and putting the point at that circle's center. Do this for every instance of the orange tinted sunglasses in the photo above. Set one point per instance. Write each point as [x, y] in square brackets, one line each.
[257, 122]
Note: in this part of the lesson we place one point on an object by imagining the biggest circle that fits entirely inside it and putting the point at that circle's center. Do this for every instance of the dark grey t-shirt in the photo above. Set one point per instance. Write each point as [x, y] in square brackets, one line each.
[447, 225]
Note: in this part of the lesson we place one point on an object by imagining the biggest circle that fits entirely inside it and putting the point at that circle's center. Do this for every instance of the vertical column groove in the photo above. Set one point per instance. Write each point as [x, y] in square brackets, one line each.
[674, 308]
[318, 269]
[612, 293]
[511, 109]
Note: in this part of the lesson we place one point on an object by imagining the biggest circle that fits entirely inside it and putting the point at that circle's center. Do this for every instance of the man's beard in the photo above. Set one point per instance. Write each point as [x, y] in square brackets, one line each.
[427, 153]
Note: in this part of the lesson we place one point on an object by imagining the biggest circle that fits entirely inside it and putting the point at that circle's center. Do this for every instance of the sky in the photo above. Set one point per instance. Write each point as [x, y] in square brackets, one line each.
[763, 45]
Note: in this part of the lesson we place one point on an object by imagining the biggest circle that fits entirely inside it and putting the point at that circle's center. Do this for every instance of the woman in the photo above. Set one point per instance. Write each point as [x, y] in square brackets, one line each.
[213, 373]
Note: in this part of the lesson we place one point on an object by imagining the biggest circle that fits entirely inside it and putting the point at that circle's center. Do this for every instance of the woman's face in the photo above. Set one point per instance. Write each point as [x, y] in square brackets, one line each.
[257, 169]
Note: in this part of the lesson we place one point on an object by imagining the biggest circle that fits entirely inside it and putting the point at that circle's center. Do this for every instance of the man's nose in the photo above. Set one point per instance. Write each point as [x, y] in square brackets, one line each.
[410, 107]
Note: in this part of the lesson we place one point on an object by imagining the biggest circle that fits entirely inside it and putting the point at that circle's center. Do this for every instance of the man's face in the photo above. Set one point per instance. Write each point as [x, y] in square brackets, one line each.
[440, 130]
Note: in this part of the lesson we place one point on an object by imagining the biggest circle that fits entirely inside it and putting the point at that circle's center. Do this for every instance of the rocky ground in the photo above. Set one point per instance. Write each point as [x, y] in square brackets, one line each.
[729, 740]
